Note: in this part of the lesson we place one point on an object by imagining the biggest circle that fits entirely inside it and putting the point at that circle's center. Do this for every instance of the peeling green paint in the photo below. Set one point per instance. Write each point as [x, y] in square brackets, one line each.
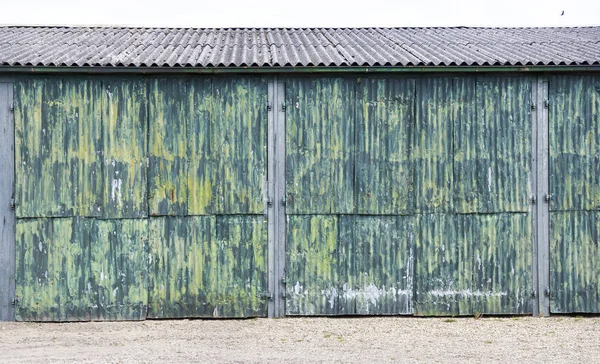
[574, 262]
[492, 162]
[432, 149]
[346, 265]
[384, 125]
[207, 266]
[86, 137]
[320, 121]
[574, 122]
[183, 267]
[467, 264]
[74, 269]
[125, 143]
[208, 151]
[312, 266]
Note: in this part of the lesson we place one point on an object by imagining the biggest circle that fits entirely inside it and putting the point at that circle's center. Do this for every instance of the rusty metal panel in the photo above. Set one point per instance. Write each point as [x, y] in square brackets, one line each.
[78, 269]
[384, 126]
[433, 148]
[574, 262]
[183, 267]
[125, 130]
[493, 145]
[242, 266]
[320, 118]
[240, 144]
[376, 262]
[574, 119]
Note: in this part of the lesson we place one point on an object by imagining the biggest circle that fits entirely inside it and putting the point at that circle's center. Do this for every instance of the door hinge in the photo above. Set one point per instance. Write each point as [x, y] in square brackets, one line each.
[269, 201]
[14, 301]
[532, 107]
[546, 104]
[547, 292]
[269, 107]
[283, 106]
[12, 203]
[268, 296]
[548, 197]
[532, 199]
[12, 107]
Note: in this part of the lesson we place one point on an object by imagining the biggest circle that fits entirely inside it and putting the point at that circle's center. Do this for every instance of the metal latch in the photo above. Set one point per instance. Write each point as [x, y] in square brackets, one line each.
[269, 107]
[532, 107]
[270, 201]
[547, 292]
[12, 203]
[283, 106]
[547, 198]
[268, 296]
[532, 199]
[14, 301]
[546, 104]
[12, 107]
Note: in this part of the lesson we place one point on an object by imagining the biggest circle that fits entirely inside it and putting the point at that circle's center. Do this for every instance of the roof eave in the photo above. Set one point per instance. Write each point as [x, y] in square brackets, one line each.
[316, 69]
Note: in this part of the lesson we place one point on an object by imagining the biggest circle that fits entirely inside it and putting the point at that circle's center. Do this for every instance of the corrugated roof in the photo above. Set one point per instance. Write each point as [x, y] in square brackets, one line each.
[297, 47]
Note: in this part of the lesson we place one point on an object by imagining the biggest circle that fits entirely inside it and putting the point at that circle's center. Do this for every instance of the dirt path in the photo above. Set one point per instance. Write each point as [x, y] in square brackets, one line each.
[304, 340]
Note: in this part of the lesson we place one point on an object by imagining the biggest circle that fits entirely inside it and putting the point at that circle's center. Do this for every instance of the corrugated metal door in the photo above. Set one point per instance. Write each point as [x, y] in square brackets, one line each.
[81, 235]
[574, 121]
[207, 196]
[408, 196]
[140, 197]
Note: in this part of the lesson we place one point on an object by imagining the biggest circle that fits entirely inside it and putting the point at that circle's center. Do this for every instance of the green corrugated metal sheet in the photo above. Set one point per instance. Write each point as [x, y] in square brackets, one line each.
[80, 269]
[207, 266]
[320, 118]
[87, 138]
[574, 122]
[344, 265]
[493, 161]
[433, 147]
[208, 146]
[467, 264]
[376, 260]
[574, 262]
[240, 141]
[312, 266]
[384, 125]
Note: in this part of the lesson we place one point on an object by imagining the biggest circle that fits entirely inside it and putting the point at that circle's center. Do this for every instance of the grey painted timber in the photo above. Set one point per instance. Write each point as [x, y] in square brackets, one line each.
[543, 199]
[7, 230]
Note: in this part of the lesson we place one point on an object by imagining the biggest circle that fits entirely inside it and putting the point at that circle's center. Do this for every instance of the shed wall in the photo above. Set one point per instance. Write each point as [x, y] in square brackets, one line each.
[147, 196]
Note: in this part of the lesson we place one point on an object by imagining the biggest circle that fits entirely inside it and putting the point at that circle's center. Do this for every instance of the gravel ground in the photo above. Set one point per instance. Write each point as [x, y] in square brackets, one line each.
[306, 340]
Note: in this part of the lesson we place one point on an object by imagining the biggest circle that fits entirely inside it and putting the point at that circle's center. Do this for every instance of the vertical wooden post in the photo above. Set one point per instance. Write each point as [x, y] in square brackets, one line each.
[541, 262]
[7, 215]
[280, 199]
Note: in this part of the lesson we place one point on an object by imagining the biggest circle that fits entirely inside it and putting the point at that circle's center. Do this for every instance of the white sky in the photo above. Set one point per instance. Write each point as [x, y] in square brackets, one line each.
[305, 13]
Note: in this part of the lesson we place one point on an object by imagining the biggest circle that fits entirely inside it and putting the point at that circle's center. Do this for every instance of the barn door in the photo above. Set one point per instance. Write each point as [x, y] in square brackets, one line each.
[574, 193]
[408, 195]
[7, 216]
